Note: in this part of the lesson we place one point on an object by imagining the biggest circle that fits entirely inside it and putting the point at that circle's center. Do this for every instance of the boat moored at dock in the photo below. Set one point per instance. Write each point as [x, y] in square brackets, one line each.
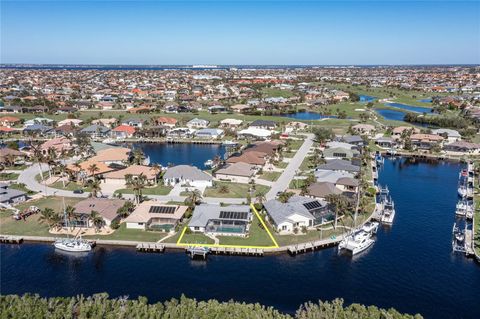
[73, 245]
[357, 242]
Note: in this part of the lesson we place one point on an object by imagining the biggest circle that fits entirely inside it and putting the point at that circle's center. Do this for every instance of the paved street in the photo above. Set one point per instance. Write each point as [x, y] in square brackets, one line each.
[284, 180]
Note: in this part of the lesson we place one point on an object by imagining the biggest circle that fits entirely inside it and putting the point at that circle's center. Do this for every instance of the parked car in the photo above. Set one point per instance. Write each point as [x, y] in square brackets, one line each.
[78, 191]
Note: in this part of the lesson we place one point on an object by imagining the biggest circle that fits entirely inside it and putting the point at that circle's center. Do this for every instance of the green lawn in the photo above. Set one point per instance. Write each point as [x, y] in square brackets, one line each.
[274, 92]
[235, 190]
[296, 183]
[157, 190]
[69, 186]
[196, 238]
[30, 227]
[282, 165]
[122, 233]
[56, 203]
[270, 176]
[257, 236]
[311, 235]
[8, 176]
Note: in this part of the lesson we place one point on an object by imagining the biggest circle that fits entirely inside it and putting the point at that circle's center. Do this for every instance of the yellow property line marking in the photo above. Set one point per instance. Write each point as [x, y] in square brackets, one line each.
[179, 241]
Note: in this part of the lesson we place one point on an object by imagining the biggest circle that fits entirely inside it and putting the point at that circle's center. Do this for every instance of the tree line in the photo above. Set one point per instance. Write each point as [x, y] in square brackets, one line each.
[101, 306]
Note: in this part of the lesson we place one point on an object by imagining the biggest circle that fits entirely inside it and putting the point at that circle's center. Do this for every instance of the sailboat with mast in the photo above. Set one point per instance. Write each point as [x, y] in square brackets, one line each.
[76, 244]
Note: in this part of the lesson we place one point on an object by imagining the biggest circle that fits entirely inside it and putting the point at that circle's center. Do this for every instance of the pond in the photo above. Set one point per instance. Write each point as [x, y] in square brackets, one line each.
[308, 116]
[391, 115]
[181, 153]
[367, 98]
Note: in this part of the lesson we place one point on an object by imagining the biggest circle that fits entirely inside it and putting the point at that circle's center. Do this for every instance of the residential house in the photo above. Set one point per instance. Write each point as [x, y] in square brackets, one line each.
[297, 212]
[339, 153]
[449, 134]
[105, 207]
[59, 145]
[110, 122]
[72, 122]
[426, 141]
[10, 195]
[155, 215]
[322, 190]
[197, 123]
[364, 129]
[166, 121]
[233, 220]
[230, 123]
[118, 177]
[263, 124]
[255, 133]
[209, 133]
[113, 155]
[463, 147]
[9, 121]
[238, 172]
[339, 165]
[186, 174]
[96, 131]
[123, 131]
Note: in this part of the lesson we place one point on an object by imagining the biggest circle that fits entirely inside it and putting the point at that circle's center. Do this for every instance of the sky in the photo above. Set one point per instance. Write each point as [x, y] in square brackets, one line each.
[245, 32]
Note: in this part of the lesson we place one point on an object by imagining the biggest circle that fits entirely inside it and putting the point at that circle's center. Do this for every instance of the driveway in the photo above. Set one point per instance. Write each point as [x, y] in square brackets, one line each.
[290, 171]
[27, 177]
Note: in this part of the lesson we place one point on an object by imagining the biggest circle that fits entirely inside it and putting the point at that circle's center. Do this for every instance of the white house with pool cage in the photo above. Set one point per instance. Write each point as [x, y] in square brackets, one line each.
[216, 220]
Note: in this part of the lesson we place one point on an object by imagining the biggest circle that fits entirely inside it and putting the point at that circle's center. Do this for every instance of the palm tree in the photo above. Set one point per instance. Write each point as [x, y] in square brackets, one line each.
[194, 196]
[63, 170]
[138, 156]
[284, 196]
[95, 188]
[96, 220]
[38, 158]
[126, 209]
[93, 169]
[223, 189]
[260, 198]
[156, 169]
[340, 204]
[137, 184]
[70, 213]
[49, 217]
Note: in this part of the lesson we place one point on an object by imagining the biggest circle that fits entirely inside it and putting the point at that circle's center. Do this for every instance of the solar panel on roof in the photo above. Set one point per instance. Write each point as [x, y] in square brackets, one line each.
[233, 215]
[312, 205]
[162, 210]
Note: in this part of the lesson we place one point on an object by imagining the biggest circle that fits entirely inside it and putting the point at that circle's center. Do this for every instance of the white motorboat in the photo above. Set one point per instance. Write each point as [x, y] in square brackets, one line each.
[388, 211]
[72, 245]
[357, 242]
[465, 208]
[370, 227]
[208, 163]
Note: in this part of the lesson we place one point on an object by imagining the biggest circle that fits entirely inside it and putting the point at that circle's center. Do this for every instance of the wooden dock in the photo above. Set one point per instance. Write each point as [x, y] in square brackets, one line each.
[198, 251]
[237, 251]
[314, 245]
[150, 248]
[469, 251]
[11, 240]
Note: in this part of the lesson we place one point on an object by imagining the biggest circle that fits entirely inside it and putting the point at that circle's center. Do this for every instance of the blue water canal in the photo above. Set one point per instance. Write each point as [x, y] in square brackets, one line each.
[181, 153]
[410, 267]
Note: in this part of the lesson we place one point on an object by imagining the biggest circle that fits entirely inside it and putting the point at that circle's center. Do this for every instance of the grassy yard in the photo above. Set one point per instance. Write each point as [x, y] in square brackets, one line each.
[234, 190]
[8, 176]
[282, 165]
[157, 190]
[69, 186]
[31, 226]
[273, 92]
[196, 238]
[257, 236]
[270, 176]
[122, 233]
[296, 183]
[56, 203]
